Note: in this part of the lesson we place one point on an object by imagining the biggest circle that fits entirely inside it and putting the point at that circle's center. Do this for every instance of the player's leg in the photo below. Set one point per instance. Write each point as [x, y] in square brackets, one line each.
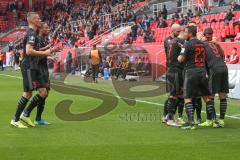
[20, 107]
[41, 105]
[223, 89]
[27, 87]
[190, 115]
[211, 113]
[197, 105]
[38, 79]
[180, 107]
[165, 112]
[173, 85]
[223, 108]
[171, 107]
[37, 99]
[40, 109]
[190, 91]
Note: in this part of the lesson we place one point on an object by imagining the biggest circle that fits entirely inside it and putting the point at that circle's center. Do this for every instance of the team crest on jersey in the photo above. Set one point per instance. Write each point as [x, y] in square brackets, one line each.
[32, 39]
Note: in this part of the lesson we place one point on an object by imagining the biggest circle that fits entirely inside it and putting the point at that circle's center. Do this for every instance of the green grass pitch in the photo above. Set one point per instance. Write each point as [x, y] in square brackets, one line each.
[109, 137]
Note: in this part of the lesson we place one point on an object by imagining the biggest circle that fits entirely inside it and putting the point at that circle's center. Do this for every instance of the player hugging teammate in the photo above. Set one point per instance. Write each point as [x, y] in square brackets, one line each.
[34, 72]
[197, 67]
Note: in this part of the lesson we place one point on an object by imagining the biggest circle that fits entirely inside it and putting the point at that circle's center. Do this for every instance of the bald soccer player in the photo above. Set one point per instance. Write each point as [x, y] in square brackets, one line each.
[174, 77]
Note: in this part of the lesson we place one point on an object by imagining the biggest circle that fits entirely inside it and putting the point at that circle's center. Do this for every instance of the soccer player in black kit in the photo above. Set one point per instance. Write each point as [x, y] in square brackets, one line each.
[218, 76]
[29, 66]
[30, 72]
[174, 77]
[195, 80]
[43, 43]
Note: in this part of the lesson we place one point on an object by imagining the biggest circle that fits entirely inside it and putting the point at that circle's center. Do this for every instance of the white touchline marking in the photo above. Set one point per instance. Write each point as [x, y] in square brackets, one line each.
[141, 101]
[236, 115]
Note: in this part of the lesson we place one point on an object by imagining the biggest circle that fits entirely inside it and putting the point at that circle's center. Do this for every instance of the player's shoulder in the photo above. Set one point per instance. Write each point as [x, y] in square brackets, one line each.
[31, 32]
[167, 39]
[197, 42]
[179, 40]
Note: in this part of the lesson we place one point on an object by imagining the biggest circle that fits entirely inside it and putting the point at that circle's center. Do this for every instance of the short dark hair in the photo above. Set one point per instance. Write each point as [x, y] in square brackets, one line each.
[235, 48]
[192, 29]
[42, 24]
[208, 30]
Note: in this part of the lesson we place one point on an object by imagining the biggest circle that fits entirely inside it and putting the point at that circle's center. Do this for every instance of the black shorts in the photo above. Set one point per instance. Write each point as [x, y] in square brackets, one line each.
[195, 83]
[31, 79]
[45, 82]
[174, 79]
[218, 80]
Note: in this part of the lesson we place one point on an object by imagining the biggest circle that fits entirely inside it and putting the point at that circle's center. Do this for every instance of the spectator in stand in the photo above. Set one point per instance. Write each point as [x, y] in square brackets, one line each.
[126, 67]
[134, 30]
[221, 3]
[237, 38]
[1, 60]
[162, 23]
[128, 39]
[176, 15]
[184, 21]
[203, 20]
[148, 36]
[235, 6]
[227, 58]
[155, 18]
[190, 13]
[234, 58]
[175, 21]
[164, 12]
[228, 17]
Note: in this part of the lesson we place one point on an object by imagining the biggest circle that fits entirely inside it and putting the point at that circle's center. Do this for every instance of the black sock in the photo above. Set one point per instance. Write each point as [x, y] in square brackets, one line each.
[21, 105]
[197, 104]
[40, 109]
[223, 108]
[190, 112]
[34, 102]
[210, 110]
[180, 107]
[165, 110]
[171, 106]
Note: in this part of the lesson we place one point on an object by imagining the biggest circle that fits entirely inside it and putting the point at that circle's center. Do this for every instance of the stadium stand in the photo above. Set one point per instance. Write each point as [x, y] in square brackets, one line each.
[84, 23]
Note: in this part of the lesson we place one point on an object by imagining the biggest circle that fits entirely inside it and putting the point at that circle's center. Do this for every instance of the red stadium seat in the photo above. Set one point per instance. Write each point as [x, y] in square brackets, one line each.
[227, 30]
[236, 29]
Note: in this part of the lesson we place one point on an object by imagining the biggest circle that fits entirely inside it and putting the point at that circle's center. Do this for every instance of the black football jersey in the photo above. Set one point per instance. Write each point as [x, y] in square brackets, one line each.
[31, 38]
[167, 46]
[174, 52]
[215, 55]
[195, 54]
[42, 42]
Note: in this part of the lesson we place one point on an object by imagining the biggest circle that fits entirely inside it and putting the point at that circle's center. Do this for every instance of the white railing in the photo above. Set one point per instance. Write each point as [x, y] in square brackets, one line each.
[99, 37]
[186, 5]
[157, 8]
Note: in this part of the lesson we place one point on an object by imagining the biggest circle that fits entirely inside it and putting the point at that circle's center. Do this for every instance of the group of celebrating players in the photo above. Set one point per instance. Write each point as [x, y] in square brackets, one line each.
[195, 70]
[34, 68]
